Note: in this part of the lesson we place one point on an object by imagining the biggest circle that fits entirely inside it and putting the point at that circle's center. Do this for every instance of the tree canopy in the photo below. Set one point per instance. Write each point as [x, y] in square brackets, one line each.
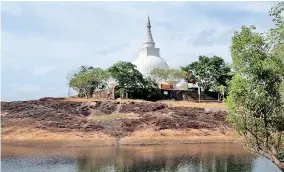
[132, 82]
[255, 102]
[127, 76]
[87, 80]
[209, 72]
[171, 76]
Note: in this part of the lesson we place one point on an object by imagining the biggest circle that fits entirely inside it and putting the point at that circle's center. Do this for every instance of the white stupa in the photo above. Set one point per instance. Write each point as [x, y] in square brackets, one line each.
[149, 56]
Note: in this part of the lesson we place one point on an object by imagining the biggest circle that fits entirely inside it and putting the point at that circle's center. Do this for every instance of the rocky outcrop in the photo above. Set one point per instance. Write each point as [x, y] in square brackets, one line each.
[62, 115]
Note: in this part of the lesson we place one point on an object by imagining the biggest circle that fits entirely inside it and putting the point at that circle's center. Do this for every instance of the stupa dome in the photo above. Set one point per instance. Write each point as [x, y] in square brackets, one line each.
[146, 64]
[149, 56]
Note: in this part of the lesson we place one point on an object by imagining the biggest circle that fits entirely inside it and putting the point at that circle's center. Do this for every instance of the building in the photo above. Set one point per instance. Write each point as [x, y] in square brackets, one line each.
[149, 56]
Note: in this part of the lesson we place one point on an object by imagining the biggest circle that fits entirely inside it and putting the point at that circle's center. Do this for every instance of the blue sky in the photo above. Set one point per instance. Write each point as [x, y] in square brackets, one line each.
[44, 41]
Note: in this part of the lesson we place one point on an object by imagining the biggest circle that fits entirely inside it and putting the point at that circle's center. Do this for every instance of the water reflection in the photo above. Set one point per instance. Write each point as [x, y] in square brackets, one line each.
[206, 158]
[171, 158]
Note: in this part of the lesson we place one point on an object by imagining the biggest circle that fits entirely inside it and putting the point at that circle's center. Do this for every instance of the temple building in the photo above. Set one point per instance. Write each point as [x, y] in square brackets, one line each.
[149, 59]
[149, 56]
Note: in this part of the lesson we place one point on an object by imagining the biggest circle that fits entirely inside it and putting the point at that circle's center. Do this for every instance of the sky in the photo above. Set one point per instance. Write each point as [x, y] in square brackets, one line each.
[43, 42]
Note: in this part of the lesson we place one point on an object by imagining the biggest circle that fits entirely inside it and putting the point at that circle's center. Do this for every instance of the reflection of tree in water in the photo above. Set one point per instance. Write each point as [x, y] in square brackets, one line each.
[88, 164]
[199, 162]
[226, 163]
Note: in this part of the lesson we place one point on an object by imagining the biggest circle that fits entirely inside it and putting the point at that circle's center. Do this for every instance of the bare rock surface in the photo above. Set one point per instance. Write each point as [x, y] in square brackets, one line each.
[61, 115]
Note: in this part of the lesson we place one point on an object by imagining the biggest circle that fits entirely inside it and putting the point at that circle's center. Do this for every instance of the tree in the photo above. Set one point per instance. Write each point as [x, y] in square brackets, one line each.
[276, 36]
[84, 69]
[87, 80]
[132, 82]
[171, 76]
[255, 102]
[151, 90]
[74, 80]
[209, 72]
[159, 75]
[190, 78]
[128, 77]
[221, 89]
[175, 76]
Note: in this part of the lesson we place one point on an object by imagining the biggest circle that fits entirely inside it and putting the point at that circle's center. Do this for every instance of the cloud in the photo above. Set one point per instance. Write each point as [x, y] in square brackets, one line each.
[260, 7]
[43, 41]
[25, 88]
[42, 70]
[251, 7]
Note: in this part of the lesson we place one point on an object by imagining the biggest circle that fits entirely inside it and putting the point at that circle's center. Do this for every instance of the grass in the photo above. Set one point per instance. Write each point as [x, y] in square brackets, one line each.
[109, 117]
[193, 104]
[76, 99]
[170, 103]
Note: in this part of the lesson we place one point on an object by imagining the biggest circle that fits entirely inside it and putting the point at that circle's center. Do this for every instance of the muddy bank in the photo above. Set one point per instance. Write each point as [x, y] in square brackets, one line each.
[48, 120]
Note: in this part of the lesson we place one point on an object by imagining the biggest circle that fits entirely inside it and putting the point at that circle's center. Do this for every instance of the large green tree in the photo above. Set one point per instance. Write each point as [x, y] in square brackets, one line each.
[132, 82]
[209, 72]
[129, 79]
[87, 80]
[255, 102]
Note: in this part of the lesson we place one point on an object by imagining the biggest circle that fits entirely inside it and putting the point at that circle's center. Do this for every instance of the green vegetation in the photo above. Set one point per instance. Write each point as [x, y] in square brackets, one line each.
[170, 76]
[255, 102]
[131, 82]
[87, 80]
[129, 79]
[221, 89]
[210, 72]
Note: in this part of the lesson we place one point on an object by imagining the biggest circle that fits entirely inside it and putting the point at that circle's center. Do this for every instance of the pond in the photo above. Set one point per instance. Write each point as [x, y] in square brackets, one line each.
[158, 158]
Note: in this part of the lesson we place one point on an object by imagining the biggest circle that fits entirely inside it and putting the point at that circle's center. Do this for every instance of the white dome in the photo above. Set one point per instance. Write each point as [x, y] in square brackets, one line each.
[146, 64]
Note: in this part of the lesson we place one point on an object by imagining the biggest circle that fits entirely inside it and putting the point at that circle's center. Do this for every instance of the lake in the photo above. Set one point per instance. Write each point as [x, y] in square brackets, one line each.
[158, 158]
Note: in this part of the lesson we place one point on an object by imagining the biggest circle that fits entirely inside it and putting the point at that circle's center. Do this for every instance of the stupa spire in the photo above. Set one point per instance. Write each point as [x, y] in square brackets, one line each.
[149, 39]
[149, 23]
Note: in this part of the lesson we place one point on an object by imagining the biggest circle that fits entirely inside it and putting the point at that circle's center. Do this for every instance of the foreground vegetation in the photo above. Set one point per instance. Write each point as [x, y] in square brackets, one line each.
[256, 101]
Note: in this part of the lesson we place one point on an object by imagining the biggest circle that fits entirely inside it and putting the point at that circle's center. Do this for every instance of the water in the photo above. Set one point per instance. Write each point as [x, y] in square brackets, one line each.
[177, 158]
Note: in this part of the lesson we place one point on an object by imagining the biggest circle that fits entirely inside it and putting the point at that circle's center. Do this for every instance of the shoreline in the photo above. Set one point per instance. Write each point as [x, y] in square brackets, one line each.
[86, 144]
[39, 138]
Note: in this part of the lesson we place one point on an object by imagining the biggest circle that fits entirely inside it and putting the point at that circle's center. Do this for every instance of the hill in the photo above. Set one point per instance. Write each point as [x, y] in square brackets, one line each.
[78, 122]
